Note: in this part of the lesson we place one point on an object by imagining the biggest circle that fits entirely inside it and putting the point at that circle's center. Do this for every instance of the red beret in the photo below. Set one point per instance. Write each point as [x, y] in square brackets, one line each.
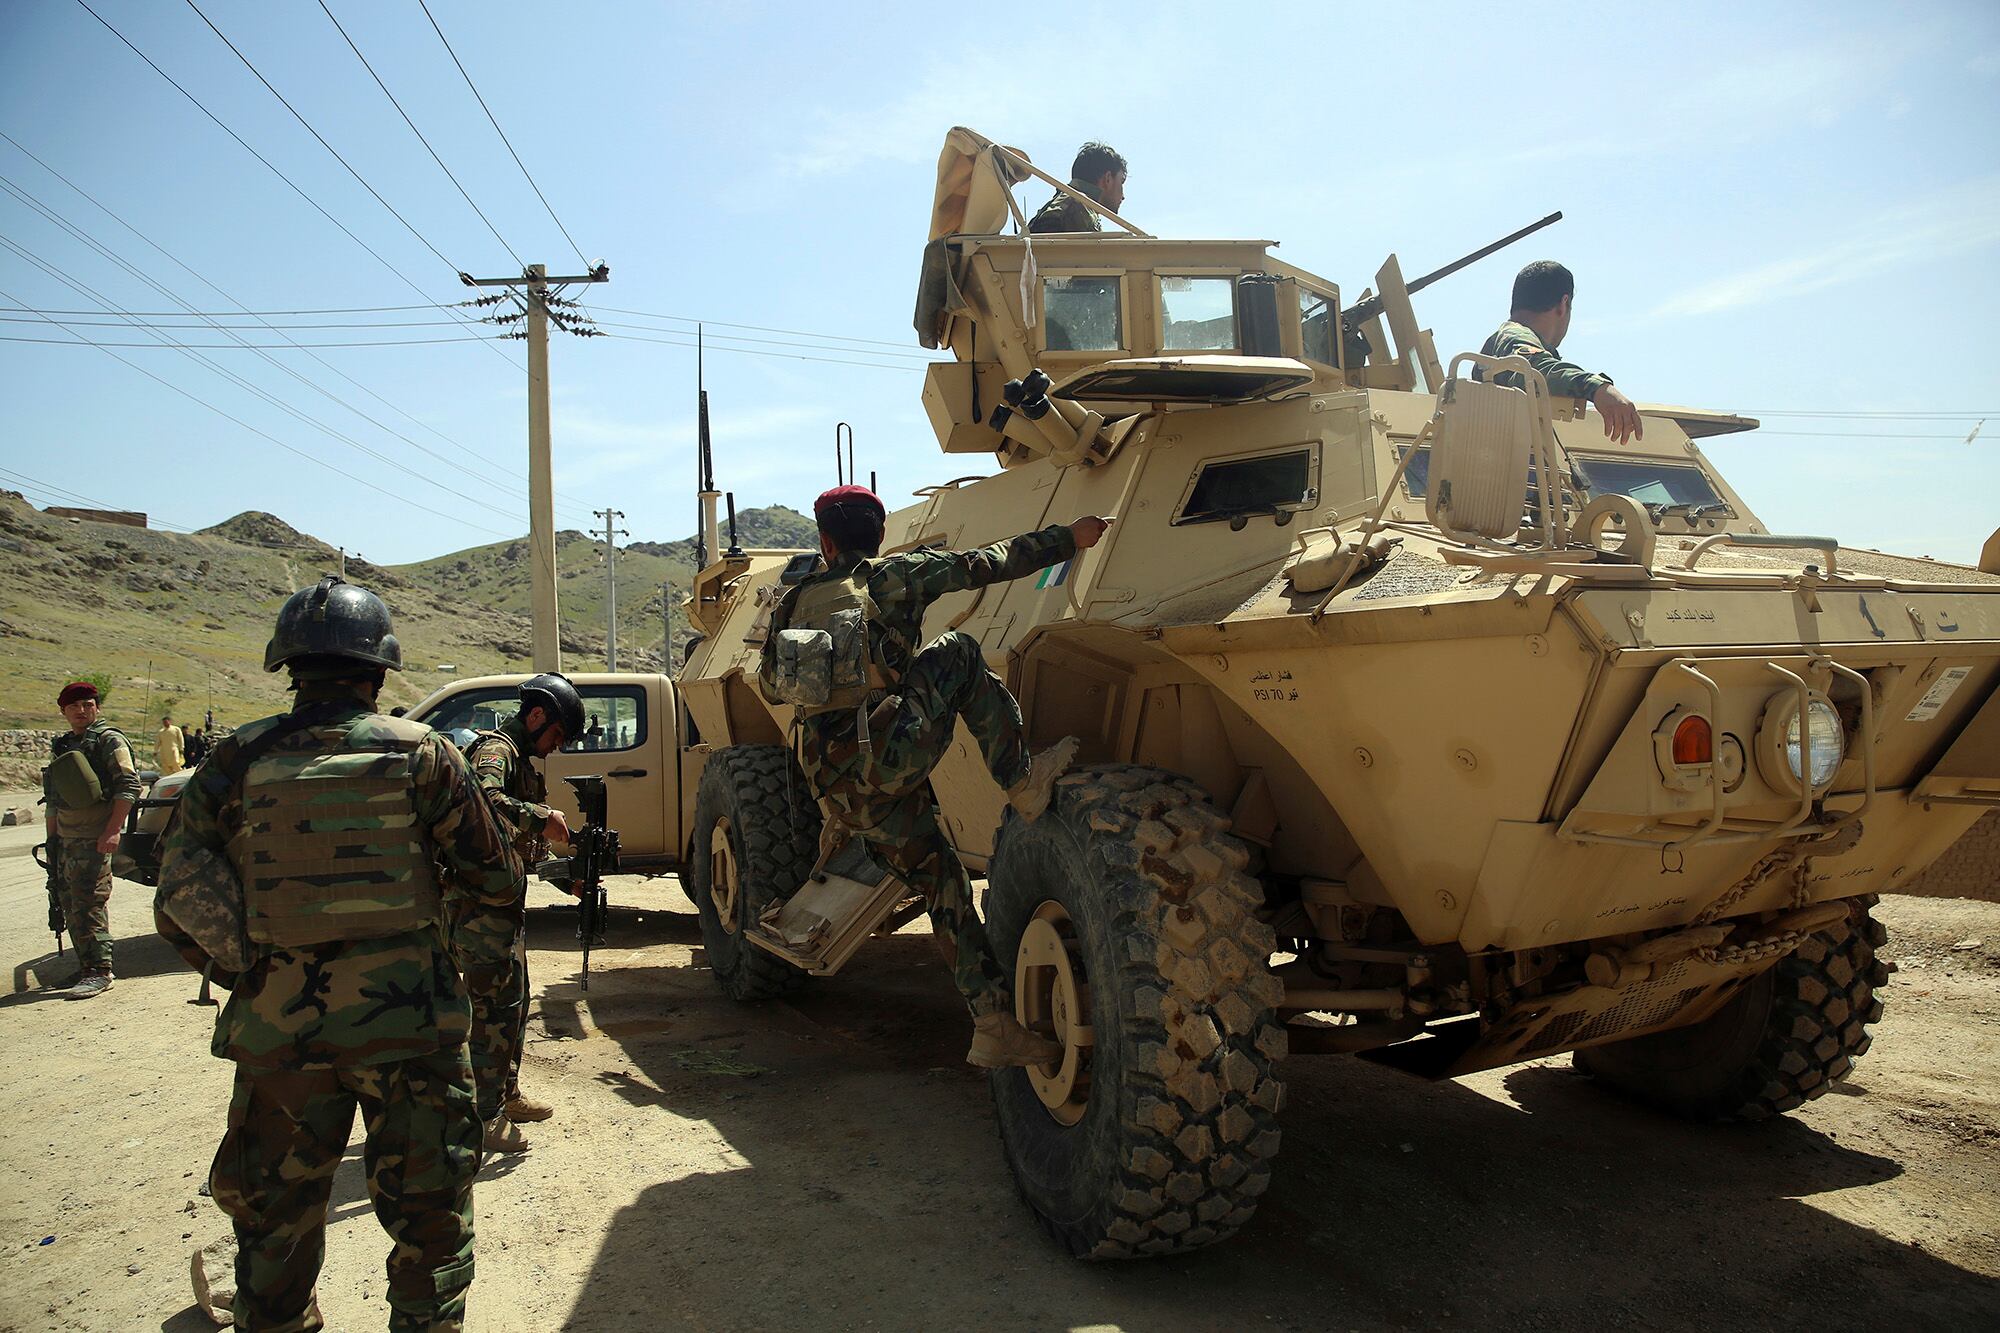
[74, 692]
[849, 495]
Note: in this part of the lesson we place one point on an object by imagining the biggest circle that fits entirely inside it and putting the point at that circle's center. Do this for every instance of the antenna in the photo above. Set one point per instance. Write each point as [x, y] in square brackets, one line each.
[706, 539]
[848, 477]
[734, 549]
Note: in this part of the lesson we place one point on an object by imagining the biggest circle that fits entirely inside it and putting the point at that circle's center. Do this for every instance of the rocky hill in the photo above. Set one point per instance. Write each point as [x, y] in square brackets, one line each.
[174, 620]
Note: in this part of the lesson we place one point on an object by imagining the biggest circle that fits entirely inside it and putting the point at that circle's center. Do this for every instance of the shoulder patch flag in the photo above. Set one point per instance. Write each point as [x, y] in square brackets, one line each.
[1053, 576]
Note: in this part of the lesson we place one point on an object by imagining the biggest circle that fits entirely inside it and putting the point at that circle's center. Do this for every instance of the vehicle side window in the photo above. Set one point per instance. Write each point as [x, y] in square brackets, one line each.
[1197, 314]
[1318, 324]
[474, 710]
[614, 719]
[1081, 313]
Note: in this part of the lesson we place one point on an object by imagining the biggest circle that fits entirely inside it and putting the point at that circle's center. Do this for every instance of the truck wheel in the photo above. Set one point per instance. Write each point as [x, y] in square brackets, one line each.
[1792, 1033]
[1137, 948]
[754, 842]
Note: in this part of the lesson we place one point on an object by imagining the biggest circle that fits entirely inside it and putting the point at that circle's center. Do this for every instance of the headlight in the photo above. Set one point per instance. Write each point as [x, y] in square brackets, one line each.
[1825, 743]
[1800, 748]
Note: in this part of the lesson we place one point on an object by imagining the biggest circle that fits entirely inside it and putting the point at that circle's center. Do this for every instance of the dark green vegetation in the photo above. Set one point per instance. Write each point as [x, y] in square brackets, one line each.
[188, 615]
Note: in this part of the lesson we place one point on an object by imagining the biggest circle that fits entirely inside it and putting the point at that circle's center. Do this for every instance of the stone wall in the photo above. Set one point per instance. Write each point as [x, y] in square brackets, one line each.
[25, 743]
[1970, 867]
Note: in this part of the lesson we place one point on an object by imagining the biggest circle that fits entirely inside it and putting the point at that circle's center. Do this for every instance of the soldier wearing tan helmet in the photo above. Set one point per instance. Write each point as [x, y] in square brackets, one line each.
[868, 750]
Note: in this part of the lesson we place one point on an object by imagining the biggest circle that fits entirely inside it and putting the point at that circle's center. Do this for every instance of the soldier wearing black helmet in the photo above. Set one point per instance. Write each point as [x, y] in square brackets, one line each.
[346, 839]
[551, 713]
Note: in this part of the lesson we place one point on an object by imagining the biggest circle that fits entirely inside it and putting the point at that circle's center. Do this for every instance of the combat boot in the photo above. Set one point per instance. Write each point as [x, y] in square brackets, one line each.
[1031, 795]
[90, 986]
[1000, 1042]
[522, 1108]
[504, 1136]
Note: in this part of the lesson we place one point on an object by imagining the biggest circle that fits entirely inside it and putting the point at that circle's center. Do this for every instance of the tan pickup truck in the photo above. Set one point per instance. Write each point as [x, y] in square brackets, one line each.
[637, 736]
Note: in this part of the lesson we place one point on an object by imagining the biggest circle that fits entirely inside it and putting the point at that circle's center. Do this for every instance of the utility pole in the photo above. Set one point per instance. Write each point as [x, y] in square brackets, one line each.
[611, 536]
[667, 628]
[535, 292]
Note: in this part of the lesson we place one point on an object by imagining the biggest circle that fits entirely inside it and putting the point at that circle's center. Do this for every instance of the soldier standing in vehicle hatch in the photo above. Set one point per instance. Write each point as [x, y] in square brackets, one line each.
[87, 803]
[349, 838]
[1098, 172]
[876, 785]
[502, 764]
[1544, 292]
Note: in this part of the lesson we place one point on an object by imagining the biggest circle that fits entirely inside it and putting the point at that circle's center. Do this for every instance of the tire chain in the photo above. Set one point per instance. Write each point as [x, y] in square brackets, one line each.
[1199, 1110]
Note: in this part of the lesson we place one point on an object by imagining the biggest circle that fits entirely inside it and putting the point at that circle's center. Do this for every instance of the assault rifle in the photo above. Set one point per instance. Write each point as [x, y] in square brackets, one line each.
[593, 855]
[48, 855]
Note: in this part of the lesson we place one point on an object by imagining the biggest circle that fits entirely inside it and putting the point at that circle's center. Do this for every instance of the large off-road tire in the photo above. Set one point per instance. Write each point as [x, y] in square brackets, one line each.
[754, 842]
[1791, 1034]
[1157, 1133]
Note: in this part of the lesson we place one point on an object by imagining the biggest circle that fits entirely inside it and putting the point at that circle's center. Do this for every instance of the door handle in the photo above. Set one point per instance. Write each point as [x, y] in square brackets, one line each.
[626, 773]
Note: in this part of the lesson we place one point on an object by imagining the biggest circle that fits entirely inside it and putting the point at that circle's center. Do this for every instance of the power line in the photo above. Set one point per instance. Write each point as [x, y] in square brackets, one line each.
[238, 340]
[296, 189]
[503, 135]
[49, 488]
[773, 342]
[569, 502]
[322, 138]
[311, 458]
[755, 328]
[1899, 416]
[251, 347]
[1862, 434]
[413, 128]
[751, 351]
[209, 314]
[203, 322]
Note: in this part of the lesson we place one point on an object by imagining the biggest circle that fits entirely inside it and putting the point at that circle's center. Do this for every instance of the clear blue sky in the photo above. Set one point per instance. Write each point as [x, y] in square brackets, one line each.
[1772, 208]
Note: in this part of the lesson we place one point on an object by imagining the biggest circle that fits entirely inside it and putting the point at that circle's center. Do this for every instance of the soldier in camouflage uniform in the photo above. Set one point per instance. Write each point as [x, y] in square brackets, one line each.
[551, 712]
[1098, 172]
[82, 834]
[1543, 294]
[352, 837]
[880, 791]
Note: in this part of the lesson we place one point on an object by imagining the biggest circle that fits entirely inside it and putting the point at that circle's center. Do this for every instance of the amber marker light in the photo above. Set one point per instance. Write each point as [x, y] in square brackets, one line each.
[1694, 743]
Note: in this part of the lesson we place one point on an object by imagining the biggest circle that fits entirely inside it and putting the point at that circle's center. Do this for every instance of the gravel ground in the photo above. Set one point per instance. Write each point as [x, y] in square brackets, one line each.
[830, 1162]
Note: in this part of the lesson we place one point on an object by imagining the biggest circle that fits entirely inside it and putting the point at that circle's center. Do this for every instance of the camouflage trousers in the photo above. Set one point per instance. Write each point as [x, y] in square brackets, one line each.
[882, 792]
[499, 1025]
[273, 1175]
[86, 901]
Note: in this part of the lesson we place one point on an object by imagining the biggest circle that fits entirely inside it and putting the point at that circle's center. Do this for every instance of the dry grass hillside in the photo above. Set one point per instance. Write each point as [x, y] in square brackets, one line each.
[184, 618]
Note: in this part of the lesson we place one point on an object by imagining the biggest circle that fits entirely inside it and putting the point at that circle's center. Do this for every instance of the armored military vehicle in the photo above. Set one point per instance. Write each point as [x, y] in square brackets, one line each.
[1420, 721]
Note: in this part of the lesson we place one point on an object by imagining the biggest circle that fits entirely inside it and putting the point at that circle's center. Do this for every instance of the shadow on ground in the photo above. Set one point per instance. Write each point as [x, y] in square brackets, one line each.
[862, 1182]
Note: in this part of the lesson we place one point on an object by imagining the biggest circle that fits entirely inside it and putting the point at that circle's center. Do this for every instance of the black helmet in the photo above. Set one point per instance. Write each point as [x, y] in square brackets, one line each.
[552, 692]
[334, 619]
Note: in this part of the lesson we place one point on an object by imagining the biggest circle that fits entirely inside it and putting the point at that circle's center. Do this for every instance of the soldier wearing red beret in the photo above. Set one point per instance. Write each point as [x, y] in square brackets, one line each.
[87, 802]
[868, 750]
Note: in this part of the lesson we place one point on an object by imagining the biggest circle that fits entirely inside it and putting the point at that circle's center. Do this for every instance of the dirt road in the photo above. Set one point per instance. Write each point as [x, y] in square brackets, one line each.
[831, 1163]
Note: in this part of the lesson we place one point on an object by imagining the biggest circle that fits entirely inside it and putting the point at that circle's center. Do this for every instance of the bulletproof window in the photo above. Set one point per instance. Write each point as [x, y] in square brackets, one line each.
[1273, 484]
[1081, 313]
[614, 718]
[1416, 481]
[1319, 322]
[472, 711]
[1661, 486]
[1197, 314]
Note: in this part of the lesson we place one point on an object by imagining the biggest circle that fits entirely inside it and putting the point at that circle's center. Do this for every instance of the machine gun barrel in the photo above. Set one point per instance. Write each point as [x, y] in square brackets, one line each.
[1364, 310]
[594, 855]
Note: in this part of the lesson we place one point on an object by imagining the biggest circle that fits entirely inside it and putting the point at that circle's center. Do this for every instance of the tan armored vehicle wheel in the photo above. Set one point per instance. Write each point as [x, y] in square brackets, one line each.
[1788, 1036]
[1138, 949]
[753, 844]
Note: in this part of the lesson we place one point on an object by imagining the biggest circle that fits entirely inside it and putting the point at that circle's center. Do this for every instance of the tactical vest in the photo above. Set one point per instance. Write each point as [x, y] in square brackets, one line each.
[822, 662]
[527, 841]
[79, 780]
[331, 849]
